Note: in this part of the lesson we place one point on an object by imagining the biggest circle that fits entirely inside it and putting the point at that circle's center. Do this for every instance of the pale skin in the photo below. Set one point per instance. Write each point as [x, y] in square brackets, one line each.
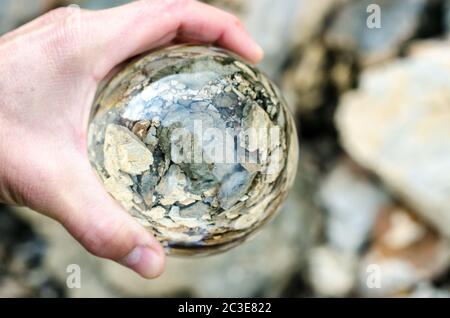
[49, 72]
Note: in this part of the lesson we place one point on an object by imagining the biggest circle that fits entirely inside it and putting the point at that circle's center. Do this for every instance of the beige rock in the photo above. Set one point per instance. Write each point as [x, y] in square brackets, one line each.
[307, 82]
[12, 288]
[404, 231]
[155, 213]
[303, 83]
[120, 192]
[245, 221]
[124, 151]
[397, 125]
[331, 273]
[403, 253]
[311, 18]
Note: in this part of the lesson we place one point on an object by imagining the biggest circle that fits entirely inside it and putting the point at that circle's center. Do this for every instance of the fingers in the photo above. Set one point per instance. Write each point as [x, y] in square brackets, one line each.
[94, 218]
[205, 23]
[108, 37]
[144, 25]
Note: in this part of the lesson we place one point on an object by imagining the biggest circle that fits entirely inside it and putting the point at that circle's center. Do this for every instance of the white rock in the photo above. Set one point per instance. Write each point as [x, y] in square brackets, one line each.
[155, 213]
[120, 192]
[331, 273]
[397, 124]
[124, 151]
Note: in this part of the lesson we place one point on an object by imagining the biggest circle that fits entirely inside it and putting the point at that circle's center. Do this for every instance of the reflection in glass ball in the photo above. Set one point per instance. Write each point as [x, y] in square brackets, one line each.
[196, 144]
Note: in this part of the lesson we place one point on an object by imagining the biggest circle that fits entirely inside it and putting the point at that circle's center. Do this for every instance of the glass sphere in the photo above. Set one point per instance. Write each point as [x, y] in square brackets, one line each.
[196, 144]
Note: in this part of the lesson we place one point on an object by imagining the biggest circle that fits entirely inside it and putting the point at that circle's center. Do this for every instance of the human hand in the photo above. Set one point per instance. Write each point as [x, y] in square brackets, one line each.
[50, 70]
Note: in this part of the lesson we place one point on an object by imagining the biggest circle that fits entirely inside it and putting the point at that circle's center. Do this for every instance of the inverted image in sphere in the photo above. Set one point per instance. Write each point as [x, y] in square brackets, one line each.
[196, 144]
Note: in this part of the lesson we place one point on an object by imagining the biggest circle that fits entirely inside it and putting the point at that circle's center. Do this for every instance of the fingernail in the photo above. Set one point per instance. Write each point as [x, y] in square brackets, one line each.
[259, 52]
[133, 257]
[145, 261]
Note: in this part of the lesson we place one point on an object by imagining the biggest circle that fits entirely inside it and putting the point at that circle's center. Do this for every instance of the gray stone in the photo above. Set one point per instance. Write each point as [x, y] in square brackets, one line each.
[195, 210]
[399, 21]
[447, 15]
[352, 203]
[276, 33]
[15, 12]
[234, 187]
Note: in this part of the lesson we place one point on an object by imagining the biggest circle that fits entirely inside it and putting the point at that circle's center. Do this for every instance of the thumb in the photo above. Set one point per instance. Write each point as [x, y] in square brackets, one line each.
[99, 223]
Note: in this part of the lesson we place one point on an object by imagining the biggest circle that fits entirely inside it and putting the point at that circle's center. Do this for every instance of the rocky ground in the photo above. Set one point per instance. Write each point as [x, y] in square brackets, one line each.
[370, 212]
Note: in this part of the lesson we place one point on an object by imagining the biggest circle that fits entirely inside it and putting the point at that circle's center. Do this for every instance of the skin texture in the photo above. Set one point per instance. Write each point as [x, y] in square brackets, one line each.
[50, 70]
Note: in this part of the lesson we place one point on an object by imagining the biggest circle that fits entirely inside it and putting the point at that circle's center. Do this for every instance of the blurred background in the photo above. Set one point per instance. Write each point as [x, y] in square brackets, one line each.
[369, 215]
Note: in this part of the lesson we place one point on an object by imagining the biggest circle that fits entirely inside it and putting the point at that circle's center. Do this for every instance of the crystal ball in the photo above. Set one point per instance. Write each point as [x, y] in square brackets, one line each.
[196, 144]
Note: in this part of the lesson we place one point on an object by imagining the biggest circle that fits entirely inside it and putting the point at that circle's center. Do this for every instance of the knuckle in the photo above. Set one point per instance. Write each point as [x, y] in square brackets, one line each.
[175, 4]
[63, 43]
[66, 32]
[235, 21]
[61, 14]
[66, 27]
[57, 14]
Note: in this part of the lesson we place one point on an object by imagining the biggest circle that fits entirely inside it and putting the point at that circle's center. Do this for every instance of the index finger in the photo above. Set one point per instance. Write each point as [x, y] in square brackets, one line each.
[120, 33]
